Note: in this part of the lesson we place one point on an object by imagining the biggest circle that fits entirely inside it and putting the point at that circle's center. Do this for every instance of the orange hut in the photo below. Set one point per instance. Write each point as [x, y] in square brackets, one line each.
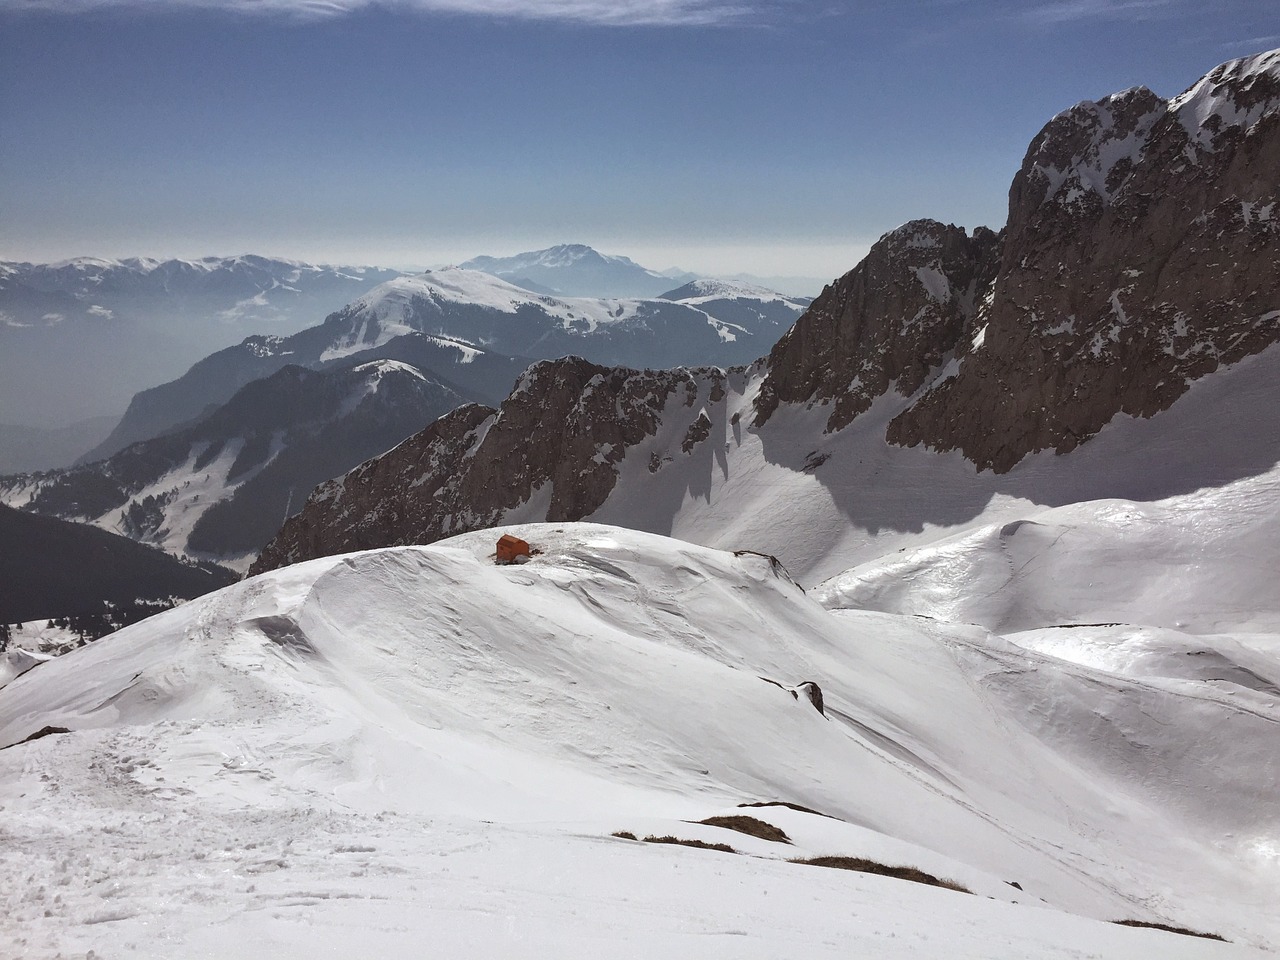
[510, 547]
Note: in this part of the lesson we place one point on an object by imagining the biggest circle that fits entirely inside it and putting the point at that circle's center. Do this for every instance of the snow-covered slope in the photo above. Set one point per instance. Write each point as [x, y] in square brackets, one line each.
[765, 312]
[1104, 561]
[479, 307]
[709, 290]
[361, 752]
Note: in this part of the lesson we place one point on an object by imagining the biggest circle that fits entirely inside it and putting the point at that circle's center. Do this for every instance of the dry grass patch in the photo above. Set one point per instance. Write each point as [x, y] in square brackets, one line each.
[623, 835]
[860, 865]
[700, 844]
[1183, 931]
[750, 826]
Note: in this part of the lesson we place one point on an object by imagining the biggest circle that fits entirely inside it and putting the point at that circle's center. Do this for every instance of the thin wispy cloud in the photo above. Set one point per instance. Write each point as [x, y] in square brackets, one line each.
[1067, 11]
[1255, 43]
[616, 13]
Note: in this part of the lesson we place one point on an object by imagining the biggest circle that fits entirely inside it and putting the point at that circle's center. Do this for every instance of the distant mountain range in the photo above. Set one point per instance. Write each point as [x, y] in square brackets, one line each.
[112, 327]
[476, 331]
[576, 270]
[118, 327]
[212, 463]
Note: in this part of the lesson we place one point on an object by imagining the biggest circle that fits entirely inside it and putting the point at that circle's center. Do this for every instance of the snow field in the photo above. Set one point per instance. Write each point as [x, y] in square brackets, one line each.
[367, 751]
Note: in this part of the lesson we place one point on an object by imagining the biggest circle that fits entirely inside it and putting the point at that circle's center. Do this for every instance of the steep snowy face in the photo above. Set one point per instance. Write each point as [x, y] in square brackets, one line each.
[887, 324]
[347, 725]
[1236, 96]
[1085, 154]
[1139, 256]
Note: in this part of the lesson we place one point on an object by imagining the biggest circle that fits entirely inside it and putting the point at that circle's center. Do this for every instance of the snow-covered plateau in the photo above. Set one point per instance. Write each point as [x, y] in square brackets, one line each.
[416, 750]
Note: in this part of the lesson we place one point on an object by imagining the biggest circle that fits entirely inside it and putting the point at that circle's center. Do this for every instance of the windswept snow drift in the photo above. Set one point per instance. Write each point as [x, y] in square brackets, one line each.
[362, 752]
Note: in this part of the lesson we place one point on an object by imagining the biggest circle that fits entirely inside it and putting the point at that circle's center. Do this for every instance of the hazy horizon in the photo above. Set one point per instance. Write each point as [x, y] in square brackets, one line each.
[712, 261]
[779, 137]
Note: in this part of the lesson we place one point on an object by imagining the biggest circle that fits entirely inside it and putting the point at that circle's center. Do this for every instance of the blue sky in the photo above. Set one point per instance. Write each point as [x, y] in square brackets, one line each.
[776, 137]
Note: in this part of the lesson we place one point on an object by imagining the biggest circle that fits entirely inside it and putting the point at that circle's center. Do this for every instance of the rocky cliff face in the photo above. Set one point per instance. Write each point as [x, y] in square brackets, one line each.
[887, 324]
[1140, 254]
[551, 448]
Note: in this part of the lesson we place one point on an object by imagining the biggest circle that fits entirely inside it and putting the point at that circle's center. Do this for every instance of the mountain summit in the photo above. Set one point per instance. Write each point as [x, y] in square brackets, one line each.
[574, 270]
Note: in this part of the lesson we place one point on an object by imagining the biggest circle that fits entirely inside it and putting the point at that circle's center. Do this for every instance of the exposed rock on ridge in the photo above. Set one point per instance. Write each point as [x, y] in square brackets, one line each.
[1141, 253]
[552, 448]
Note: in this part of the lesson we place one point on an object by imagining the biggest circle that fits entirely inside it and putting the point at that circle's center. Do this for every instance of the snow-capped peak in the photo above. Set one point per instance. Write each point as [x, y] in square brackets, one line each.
[1081, 148]
[574, 269]
[566, 254]
[1238, 93]
[556, 257]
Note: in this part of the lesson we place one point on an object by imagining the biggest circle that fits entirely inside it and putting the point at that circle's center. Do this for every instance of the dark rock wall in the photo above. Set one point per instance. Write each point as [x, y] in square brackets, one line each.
[884, 325]
[1142, 252]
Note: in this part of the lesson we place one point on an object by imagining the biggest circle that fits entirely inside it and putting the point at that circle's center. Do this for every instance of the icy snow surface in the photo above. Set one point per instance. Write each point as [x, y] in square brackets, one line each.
[414, 749]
